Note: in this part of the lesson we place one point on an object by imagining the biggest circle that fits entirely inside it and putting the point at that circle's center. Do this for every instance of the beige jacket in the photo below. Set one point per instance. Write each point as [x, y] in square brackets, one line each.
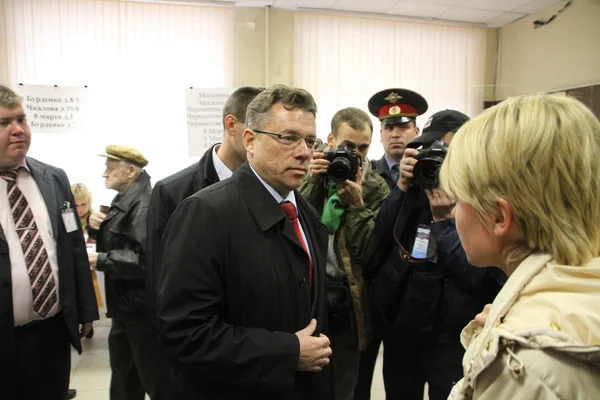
[541, 339]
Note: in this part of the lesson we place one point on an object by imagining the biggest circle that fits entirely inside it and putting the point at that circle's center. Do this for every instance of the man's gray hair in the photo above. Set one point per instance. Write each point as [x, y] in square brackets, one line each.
[257, 114]
[9, 98]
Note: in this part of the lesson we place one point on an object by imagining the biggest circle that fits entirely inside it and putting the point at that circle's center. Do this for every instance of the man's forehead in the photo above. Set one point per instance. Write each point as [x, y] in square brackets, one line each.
[11, 112]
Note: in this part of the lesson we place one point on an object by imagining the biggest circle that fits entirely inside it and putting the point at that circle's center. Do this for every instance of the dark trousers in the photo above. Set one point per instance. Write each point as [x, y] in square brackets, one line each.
[368, 359]
[410, 361]
[40, 363]
[137, 361]
[344, 362]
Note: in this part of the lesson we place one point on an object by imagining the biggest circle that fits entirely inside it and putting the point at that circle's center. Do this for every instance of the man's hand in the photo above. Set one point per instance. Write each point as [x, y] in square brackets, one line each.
[441, 204]
[407, 164]
[86, 328]
[96, 219]
[351, 192]
[314, 352]
[93, 259]
[318, 165]
[481, 318]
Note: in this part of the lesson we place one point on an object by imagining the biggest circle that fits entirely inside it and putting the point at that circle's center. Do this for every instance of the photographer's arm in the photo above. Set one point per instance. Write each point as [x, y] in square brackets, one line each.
[470, 278]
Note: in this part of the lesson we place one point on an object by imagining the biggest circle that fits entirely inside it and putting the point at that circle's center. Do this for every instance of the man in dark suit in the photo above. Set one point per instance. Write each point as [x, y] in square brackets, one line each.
[47, 299]
[243, 304]
[218, 163]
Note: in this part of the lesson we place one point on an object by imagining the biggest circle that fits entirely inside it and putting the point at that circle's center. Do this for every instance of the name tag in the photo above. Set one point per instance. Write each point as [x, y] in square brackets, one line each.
[68, 216]
[421, 242]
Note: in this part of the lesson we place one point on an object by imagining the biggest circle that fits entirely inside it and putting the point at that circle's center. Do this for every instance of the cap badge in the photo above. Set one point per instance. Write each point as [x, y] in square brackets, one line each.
[393, 97]
[395, 110]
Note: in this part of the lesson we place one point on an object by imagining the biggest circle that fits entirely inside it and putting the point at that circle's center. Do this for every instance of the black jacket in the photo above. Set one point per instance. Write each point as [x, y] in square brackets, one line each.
[121, 244]
[77, 298]
[166, 196]
[235, 291]
[438, 297]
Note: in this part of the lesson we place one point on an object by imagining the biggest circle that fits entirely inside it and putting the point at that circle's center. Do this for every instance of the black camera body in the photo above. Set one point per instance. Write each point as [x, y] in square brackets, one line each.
[426, 170]
[344, 163]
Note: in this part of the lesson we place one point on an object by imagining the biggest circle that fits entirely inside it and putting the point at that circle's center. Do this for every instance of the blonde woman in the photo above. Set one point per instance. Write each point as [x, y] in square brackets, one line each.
[83, 200]
[526, 176]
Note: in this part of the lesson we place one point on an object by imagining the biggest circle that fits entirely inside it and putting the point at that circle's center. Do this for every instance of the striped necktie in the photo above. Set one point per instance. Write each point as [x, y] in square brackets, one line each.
[43, 285]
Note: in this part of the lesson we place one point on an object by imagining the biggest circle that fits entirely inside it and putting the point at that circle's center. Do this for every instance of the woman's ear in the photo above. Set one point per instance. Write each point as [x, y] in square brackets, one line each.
[503, 219]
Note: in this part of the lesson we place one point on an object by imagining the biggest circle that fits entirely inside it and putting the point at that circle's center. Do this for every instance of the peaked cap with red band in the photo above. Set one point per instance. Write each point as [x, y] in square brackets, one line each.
[397, 106]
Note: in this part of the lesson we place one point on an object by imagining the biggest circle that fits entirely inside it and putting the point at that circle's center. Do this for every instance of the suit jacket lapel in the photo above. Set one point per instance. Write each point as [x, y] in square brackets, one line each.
[48, 193]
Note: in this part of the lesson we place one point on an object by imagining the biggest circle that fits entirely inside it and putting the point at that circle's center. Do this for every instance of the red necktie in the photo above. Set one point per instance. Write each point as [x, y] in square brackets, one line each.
[43, 286]
[290, 210]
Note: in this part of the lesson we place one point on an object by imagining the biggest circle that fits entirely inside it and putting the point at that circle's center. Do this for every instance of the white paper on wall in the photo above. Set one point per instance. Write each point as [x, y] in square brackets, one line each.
[204, 110]
[54, 109]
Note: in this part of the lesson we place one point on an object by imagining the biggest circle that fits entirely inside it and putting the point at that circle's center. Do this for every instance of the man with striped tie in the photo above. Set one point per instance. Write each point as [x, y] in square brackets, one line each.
[47, 298]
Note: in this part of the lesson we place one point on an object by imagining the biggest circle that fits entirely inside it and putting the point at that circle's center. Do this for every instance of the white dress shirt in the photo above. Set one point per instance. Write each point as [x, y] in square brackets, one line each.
[222, 171]
[21, 285]
[291, 197]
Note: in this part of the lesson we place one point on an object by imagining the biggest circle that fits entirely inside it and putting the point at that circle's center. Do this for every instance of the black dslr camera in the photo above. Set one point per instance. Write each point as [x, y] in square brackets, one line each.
[426, 171]
[344, 164]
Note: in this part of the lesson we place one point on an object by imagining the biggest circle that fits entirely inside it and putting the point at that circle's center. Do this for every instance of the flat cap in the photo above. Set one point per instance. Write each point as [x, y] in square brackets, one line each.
[125, 153]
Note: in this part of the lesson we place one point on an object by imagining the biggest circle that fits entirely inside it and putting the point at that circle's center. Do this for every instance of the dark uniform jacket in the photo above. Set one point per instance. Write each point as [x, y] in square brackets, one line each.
[77, 298]
[381, 167]
[236, 290]
[121, 242]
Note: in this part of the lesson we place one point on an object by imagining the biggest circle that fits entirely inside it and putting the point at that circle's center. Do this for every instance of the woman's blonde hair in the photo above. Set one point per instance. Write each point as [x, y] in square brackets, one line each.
[81, 192]
[542, 154]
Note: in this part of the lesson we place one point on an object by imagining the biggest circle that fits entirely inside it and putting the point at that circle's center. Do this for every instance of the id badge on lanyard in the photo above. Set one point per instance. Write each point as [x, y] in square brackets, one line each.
[68, 217]
[421, 242]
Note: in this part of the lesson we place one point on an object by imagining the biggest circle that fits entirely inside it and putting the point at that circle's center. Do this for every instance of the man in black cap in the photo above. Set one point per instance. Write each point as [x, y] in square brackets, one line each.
[427, 290]
[397, 109]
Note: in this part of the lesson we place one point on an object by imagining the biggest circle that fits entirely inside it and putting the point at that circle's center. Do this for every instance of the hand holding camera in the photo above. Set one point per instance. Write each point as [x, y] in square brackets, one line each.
[407, 165]
[341, 166]
[318, 164]
[441, 204]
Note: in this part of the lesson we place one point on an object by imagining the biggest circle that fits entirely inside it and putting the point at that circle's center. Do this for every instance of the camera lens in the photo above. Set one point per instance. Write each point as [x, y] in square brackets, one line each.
[426, 172]
[339, 169]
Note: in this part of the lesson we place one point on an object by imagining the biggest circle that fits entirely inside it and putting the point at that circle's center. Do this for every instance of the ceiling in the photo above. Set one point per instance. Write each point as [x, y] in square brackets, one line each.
[493, 13]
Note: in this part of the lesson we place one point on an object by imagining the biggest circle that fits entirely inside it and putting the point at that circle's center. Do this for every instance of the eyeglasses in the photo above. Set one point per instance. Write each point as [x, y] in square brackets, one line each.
[291, 139]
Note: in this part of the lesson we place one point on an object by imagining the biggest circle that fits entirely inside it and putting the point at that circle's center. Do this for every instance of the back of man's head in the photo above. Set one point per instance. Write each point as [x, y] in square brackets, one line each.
[354, 117]
[237, 103]
[9, 98]
[290, 97]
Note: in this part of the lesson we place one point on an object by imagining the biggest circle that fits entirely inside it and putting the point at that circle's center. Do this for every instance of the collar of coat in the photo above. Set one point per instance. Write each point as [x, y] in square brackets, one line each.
[263, 207]
[534, 310]
[124, 202]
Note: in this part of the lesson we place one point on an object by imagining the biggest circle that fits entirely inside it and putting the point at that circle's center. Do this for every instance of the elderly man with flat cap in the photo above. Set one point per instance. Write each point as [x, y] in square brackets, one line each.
[426, 291]
[136, 358]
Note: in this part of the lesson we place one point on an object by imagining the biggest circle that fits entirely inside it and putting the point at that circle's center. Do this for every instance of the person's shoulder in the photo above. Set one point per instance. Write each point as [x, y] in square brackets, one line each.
[186, 174]
[216, 191]
[38, 165]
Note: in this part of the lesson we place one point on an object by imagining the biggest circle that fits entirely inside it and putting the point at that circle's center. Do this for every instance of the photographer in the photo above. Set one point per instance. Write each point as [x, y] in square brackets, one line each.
[347, 194]
[426, 291]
